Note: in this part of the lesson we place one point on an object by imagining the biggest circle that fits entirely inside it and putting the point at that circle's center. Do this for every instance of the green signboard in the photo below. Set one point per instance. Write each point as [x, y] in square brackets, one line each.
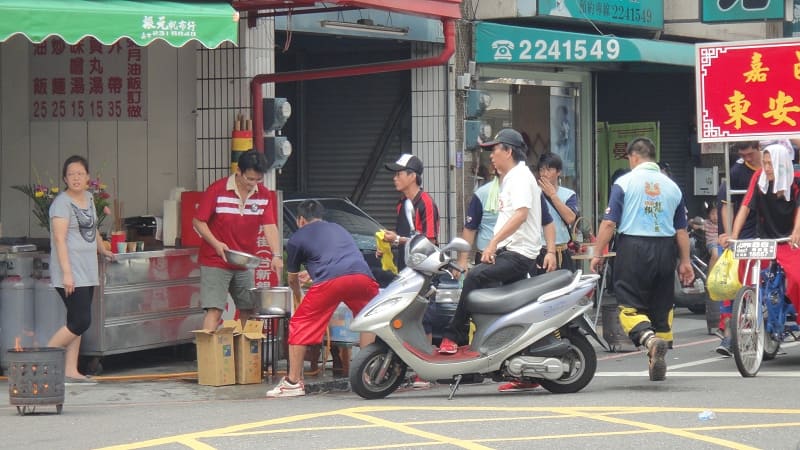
[612, 140]
[742, 10]
[631, 13]
[497, 43]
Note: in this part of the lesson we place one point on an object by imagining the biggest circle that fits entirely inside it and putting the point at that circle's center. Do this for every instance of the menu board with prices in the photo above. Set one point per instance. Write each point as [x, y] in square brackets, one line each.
[87, 81]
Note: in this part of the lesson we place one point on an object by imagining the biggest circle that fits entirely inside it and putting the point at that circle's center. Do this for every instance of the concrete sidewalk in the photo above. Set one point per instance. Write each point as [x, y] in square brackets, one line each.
[166, 374]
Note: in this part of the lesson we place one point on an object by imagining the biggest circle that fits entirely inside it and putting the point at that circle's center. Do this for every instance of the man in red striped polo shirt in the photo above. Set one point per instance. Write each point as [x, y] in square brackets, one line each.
[231, 212]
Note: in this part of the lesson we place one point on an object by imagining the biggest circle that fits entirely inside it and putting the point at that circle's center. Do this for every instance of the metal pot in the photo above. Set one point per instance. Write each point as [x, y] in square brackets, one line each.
[276, 300]
[242, 259]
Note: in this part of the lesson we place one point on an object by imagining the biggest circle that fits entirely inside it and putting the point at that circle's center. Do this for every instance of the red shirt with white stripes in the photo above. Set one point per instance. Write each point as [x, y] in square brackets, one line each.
[233, 221]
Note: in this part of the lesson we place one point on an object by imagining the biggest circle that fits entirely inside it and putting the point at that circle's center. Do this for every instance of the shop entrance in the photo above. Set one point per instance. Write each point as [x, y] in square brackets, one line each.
[547, 113]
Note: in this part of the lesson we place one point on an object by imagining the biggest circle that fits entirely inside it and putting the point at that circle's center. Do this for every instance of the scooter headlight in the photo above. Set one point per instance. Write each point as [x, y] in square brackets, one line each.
[389, 302]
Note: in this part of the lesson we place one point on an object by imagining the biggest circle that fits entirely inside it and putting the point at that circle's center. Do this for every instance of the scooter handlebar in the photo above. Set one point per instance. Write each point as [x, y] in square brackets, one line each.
[454, 266]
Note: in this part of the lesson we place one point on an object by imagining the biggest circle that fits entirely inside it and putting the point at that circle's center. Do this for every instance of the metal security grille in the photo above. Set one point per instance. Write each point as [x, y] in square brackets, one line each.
[630, 97]
[221, 90]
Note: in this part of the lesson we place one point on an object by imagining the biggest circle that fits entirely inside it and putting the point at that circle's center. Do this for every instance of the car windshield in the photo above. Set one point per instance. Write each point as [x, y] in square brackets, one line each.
[346, 214]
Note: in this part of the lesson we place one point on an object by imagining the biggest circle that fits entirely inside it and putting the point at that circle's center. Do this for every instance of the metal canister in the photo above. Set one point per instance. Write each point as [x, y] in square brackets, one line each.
[16, 315]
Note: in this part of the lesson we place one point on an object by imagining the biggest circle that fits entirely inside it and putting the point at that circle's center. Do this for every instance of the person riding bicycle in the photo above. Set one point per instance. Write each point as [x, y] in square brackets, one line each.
[774, 195]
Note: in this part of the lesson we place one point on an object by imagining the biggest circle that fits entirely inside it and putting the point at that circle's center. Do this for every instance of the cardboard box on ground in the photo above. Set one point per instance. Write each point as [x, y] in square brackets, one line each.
[230, 355]
[247, 350]
[215, 361]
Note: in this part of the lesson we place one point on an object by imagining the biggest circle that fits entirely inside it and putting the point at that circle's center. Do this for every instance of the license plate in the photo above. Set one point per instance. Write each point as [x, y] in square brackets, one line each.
[755, 249]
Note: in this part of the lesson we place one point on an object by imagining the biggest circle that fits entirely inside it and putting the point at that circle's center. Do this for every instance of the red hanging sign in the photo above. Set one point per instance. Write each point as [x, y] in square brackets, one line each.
[265, 277]
[748, 90]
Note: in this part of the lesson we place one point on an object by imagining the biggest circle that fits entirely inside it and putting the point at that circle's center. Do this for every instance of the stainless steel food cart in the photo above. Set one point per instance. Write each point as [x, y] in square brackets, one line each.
[146, 300]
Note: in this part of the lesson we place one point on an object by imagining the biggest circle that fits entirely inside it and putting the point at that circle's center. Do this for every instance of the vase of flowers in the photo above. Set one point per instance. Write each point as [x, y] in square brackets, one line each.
[43, 196]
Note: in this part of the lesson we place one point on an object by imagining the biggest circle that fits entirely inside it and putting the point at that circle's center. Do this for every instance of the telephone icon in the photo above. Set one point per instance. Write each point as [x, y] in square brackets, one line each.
[502, 49]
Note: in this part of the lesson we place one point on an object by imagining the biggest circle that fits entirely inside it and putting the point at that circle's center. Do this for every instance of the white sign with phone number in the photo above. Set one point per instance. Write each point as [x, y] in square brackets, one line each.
[510, 44]
[556, 50]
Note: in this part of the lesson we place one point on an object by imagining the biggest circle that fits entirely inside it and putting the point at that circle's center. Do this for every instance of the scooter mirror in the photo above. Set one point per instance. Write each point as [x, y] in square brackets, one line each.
[457, 244]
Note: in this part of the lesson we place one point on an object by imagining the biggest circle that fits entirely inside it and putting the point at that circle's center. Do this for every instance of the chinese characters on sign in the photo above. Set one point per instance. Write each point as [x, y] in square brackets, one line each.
[162, 27]
[87, 81]
[757, 249]
[748, 90]
[634, 13]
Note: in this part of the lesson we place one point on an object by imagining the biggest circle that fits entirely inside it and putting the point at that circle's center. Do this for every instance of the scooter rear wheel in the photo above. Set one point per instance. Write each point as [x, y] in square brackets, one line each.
[582, 362]
[365, 369]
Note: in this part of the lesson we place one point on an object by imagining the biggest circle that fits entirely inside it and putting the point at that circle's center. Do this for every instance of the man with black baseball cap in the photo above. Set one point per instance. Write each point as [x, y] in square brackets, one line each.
[416, 214]
[506, 136]
[524, 226]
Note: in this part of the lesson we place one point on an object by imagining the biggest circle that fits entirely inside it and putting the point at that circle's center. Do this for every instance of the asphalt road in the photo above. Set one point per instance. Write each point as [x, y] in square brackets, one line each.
[620, 408]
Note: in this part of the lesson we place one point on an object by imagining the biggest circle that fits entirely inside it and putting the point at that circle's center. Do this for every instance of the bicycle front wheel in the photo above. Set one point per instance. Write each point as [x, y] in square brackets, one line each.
[747, 332]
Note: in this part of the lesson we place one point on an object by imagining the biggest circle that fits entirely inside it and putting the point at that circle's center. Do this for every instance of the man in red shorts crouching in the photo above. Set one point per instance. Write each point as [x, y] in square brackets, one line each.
[339, 273]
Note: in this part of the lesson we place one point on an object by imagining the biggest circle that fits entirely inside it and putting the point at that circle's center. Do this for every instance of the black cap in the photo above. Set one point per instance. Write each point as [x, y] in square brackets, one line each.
[406, 162]
[506, 136]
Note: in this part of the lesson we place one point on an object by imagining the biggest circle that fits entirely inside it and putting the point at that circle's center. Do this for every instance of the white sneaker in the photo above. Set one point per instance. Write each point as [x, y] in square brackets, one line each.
[419, 383]
[287, 389]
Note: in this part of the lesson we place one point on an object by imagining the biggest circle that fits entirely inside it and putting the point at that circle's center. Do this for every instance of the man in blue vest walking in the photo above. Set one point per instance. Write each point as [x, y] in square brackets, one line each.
[646, 207]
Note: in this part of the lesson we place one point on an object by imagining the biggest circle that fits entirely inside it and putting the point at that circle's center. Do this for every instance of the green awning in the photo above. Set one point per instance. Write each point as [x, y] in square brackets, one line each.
[176, 22]
[496, 43]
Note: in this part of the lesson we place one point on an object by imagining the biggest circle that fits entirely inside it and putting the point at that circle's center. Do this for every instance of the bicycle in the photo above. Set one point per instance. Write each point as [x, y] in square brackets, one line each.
[762, 316]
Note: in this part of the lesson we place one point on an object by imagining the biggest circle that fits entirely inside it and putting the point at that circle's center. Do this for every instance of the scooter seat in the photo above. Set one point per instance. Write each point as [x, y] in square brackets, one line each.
[504, 299]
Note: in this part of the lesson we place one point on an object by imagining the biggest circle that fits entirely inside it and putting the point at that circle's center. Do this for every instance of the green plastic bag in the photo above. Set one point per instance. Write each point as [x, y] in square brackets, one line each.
[723, 281]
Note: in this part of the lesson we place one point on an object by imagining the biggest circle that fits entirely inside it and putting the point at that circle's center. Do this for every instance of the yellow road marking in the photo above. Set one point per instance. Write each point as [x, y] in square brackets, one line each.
[658, 428]
[608, 414]
[415, 432]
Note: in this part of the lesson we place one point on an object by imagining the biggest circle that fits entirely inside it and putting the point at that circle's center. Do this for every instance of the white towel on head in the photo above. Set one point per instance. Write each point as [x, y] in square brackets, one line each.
[781, 158]
[785, 142]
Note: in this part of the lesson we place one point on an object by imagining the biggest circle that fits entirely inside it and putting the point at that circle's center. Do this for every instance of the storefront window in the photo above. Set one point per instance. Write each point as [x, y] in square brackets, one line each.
[547, 115]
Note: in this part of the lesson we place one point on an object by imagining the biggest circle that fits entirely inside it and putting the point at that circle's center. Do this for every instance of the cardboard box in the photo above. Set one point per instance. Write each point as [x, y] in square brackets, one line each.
[247, 350]
[215, 360]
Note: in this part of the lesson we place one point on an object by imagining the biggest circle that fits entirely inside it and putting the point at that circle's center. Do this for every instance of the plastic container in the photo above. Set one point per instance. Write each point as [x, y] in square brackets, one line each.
[340, 325]
[49, 312]
[707, 415]
[16, 314]
[117, 237]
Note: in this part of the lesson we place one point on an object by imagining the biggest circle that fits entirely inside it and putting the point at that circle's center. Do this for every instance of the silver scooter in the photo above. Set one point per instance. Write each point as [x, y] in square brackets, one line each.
[532, 330]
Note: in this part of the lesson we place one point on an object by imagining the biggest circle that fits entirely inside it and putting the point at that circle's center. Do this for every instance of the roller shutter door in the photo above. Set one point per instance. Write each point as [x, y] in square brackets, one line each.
[664, 97]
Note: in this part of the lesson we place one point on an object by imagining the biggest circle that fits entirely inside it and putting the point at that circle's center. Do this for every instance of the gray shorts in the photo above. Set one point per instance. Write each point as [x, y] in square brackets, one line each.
[216, 283]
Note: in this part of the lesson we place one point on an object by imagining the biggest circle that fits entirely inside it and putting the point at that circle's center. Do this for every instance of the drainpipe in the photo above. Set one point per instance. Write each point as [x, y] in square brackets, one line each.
[448, 28]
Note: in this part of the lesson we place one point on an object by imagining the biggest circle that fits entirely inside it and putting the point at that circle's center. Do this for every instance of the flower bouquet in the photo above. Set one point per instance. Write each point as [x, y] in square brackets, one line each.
[43, 196]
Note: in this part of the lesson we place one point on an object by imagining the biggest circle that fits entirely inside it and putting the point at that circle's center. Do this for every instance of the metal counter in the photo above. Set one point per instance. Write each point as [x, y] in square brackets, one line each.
[146, 300]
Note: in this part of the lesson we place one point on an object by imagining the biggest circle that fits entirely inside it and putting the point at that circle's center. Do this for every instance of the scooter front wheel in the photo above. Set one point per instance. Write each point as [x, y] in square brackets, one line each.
[376, 371]
[580, 364]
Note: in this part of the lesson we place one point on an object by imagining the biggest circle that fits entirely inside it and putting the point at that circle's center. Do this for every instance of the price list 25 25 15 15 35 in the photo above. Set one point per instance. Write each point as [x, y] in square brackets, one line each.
[87, 80]
[77, 109]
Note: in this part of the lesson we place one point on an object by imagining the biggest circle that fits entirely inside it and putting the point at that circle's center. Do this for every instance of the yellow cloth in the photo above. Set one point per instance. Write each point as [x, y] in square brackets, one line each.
[387, 258]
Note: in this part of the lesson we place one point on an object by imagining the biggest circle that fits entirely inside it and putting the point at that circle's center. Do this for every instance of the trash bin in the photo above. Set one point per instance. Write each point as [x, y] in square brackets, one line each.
[712, 315]
[613, 333]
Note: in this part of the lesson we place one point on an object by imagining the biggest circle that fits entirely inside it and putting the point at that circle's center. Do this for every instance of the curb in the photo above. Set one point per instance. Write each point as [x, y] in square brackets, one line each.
[322, 386]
